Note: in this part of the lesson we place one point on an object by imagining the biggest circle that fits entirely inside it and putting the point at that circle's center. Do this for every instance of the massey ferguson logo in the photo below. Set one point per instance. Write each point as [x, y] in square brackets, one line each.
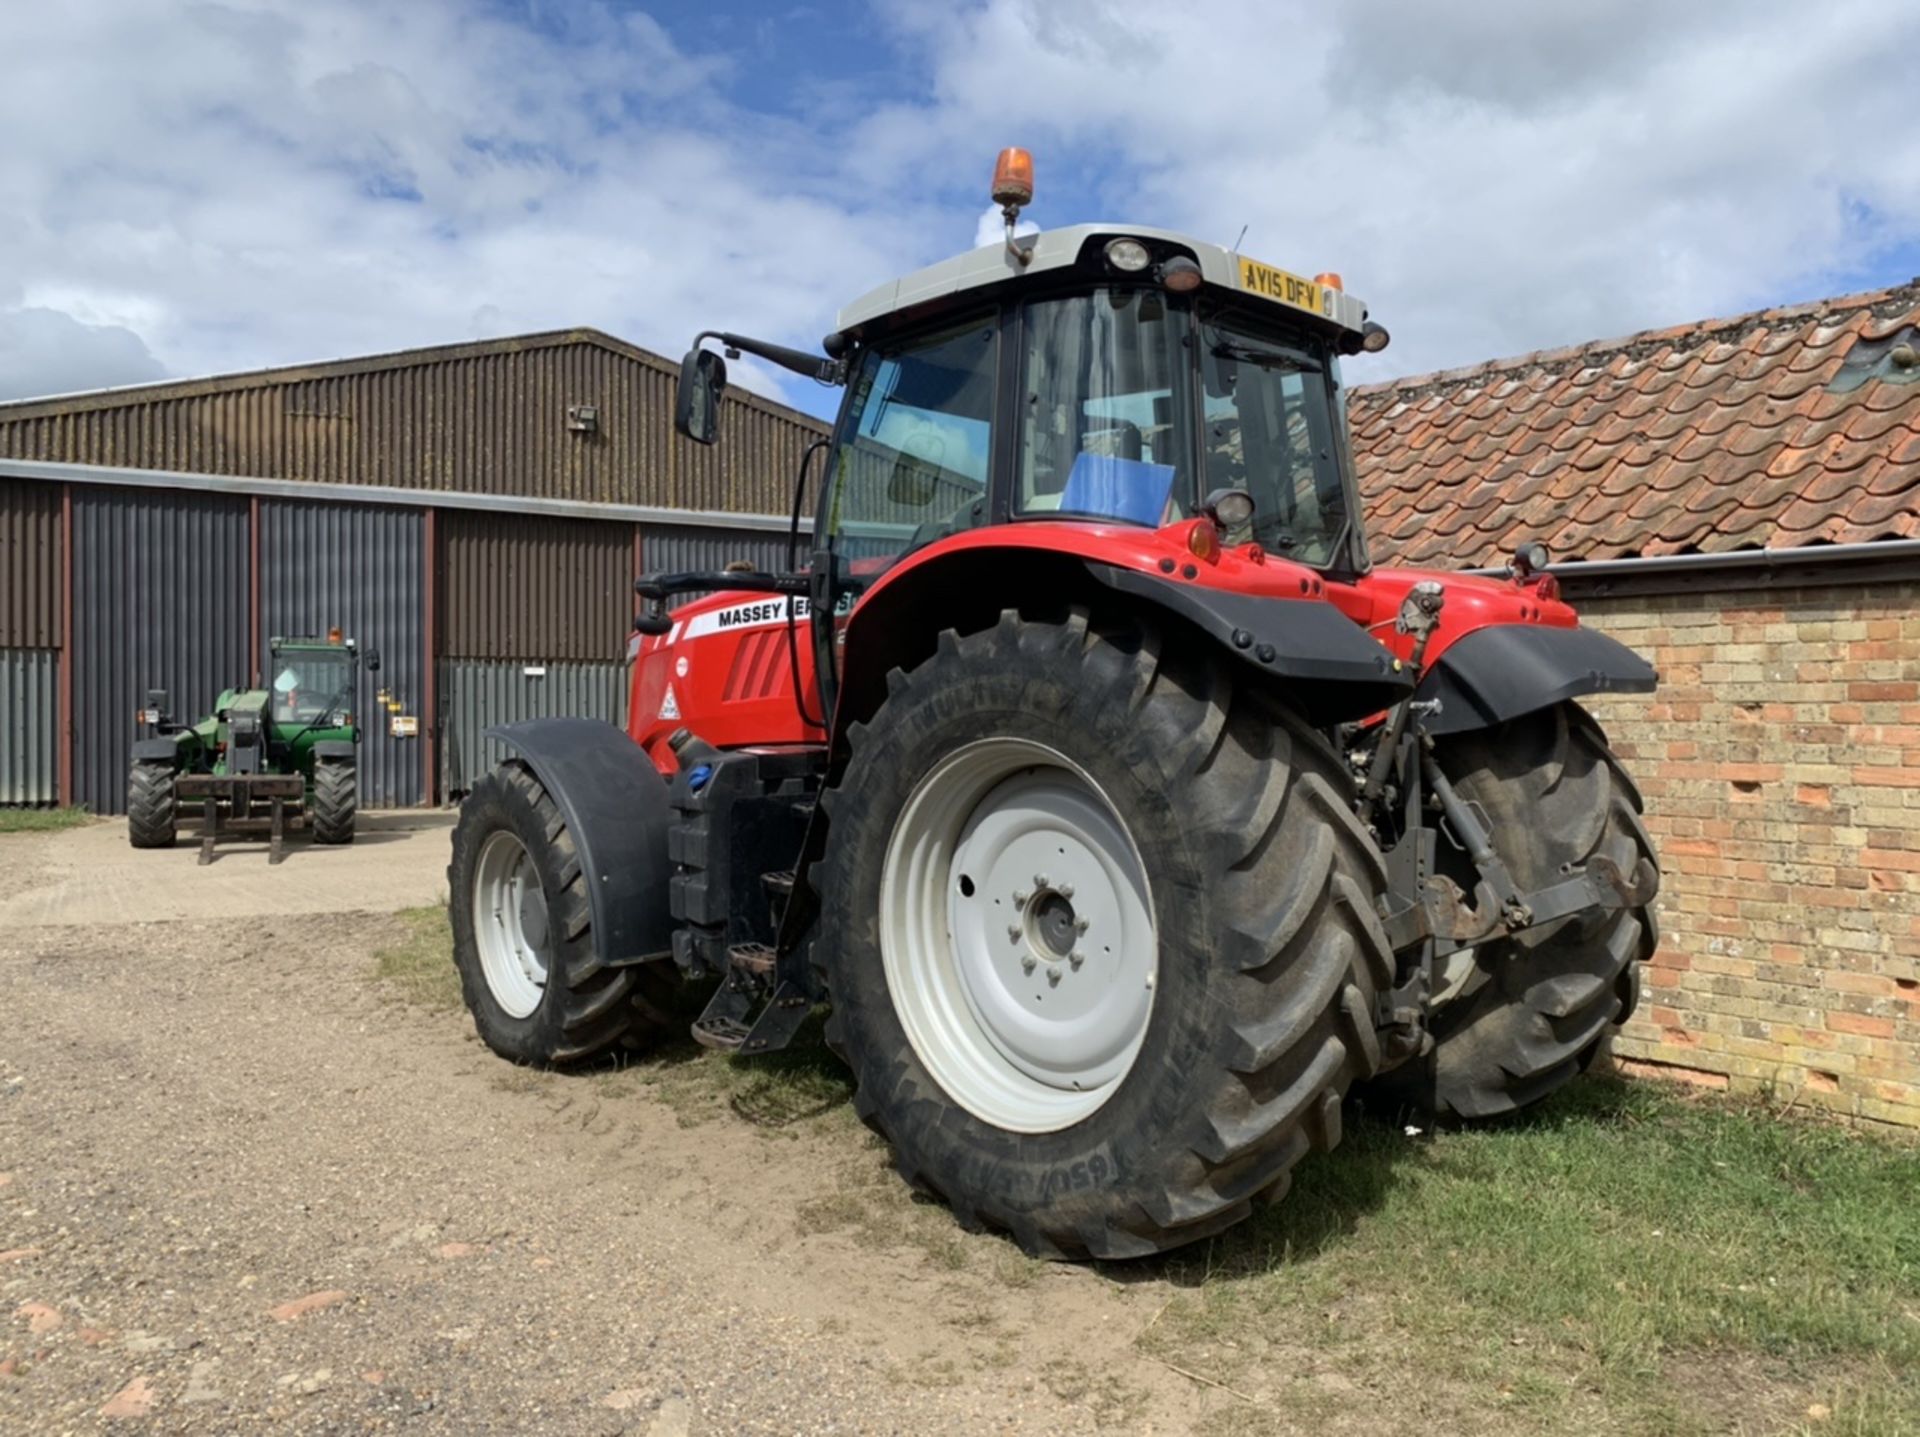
[765, 613]
[755, 615]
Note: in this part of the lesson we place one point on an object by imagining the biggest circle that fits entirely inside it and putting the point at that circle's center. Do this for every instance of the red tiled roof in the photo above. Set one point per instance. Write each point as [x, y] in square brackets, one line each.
[1778, 429]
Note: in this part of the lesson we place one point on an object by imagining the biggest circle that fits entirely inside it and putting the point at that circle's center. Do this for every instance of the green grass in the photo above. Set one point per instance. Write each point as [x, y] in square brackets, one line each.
[418, 968]
[42, 820]
[1625, 1253]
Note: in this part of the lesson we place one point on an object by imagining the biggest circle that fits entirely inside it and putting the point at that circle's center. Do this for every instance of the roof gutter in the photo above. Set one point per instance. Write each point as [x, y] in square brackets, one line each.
[319, 490]
[1736, 568]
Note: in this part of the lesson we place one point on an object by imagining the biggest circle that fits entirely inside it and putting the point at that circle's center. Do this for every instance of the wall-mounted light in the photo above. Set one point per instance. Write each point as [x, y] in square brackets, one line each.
[583, 418]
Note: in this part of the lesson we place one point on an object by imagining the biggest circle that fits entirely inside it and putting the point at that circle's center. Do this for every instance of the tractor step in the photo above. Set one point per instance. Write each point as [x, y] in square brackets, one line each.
[778, 885]
[720, 1033]
[729, 1022]
[756, 960]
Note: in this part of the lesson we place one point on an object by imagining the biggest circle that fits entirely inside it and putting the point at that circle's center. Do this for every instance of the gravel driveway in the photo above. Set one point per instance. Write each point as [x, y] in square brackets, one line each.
[241, 1185]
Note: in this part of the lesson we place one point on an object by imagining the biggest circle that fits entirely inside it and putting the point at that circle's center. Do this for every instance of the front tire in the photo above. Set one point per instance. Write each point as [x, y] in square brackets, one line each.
[336, 798]
[1193, 814]
[152, 808]
[523, 938]
[1536, 1009]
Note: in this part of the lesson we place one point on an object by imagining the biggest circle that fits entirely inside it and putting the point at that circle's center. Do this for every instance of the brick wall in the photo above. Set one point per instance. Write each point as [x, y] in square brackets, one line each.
[1781, 766]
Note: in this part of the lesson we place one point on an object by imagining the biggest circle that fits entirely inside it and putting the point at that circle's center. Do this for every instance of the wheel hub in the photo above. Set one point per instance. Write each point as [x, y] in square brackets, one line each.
[1017, 935]
[510, 923]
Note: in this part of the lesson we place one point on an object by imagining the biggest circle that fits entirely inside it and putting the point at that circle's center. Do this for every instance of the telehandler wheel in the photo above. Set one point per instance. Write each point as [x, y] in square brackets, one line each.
[523, 933]
[1098, 929]
[1534, 1009]
[336, 789]
[152, 810]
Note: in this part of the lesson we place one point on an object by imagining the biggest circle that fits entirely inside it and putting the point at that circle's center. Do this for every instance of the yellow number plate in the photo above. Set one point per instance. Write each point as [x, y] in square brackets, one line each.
[1281, 287]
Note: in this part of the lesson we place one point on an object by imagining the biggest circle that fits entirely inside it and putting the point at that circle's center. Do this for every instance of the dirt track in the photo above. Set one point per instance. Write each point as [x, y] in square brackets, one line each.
[204, 1121]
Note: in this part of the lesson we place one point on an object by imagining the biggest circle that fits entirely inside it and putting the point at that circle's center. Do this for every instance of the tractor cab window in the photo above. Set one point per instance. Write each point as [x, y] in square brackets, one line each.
[1268, 412]
[1104, 397]
[915, 446]
[308, 686]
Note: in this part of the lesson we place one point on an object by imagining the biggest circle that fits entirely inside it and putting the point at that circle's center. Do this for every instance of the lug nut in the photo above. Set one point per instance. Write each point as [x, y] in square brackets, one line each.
[1053, 976]
[1065, 890]
[1079, 925]
[1040, 881]
[1027, 964]
[1076, 960]
[1013, 932]
[1020, 899]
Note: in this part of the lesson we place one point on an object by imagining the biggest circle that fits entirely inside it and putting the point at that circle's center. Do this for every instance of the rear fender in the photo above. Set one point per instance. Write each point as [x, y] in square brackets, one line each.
[1495, 674]
[334, 750]
[156, 750]
[615, 804]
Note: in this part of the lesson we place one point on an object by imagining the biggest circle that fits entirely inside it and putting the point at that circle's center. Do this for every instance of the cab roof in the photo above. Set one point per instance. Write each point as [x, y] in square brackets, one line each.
[1062, 249]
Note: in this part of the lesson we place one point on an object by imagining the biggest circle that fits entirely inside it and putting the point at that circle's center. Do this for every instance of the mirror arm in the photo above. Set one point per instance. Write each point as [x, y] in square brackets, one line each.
[813, 366]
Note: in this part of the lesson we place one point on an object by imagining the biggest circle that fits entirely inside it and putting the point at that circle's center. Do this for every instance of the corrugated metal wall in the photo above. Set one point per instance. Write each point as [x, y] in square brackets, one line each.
[476, 695]
[530, 587]
[29, 725]
[160, 582]
[30, 558]
[361, 567]
[488, 418]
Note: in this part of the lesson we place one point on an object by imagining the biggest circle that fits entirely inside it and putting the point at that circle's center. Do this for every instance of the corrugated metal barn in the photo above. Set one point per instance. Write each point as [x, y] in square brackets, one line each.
[476, 512]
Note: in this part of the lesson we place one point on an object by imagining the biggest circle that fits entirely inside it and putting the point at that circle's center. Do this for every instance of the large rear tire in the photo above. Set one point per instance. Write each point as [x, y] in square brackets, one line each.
[1533, 1011]
[523, 936]
[152, 808]
[336, 799]
[1042, 790]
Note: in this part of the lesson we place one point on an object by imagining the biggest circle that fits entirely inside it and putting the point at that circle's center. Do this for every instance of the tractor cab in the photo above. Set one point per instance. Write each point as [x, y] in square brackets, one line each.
[1115, 376]
[312, 680]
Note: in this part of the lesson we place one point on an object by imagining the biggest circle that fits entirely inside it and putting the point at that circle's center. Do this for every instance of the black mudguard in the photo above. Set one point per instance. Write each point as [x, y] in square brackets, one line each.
[615, 804]
[1343, 673]
[156, 750]
[1500, 673]
[334, 749]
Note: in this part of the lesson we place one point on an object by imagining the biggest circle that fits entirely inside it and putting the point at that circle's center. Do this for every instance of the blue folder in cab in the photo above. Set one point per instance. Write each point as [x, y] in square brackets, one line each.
[1132, 489]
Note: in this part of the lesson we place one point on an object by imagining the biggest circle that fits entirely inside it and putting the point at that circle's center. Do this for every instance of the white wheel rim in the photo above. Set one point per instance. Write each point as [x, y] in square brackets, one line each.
[1017, 935]
[510, 923]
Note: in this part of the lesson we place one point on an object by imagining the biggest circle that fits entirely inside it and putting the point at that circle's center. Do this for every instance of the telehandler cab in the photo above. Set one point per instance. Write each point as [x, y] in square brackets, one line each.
[1124, 813]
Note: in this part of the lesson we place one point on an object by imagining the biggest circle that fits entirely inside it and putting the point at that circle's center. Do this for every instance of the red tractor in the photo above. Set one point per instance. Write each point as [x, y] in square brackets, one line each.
[1124, 813]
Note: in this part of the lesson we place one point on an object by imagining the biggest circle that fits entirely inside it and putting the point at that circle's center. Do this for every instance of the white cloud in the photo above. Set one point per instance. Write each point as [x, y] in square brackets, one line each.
[243, 182]
[44, 351]
[1491, 177]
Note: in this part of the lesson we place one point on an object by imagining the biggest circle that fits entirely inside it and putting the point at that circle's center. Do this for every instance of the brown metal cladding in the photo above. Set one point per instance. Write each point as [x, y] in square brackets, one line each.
[520, 586]
[487, 418]
[30, 574]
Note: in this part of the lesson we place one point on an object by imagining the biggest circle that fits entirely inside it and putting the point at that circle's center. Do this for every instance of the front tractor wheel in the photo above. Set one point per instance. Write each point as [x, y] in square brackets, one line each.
[152, 808]
[1098, 929]
[523, 938]
[335, 800]
[1518, 1018]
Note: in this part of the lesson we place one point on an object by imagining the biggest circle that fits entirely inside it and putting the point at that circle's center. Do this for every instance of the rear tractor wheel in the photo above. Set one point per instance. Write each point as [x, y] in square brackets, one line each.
[1520, 1017]
[1099, 935]
[523, 934]
[336, 799]
[152, 809]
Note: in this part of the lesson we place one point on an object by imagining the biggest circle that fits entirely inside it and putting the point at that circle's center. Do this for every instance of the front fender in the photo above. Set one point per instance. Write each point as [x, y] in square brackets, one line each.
[1336, 671]
[615, 804]
[1499, 673]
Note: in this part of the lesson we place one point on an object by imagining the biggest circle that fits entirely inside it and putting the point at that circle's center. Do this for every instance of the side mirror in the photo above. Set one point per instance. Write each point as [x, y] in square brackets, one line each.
[696, 409]
[371, 658]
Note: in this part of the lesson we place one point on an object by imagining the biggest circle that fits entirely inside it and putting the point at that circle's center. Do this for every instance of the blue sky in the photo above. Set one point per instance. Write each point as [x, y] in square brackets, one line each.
[240, 183]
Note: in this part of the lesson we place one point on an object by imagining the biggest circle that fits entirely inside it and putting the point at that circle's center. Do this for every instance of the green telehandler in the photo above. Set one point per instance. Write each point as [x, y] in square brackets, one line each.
[265, 758]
